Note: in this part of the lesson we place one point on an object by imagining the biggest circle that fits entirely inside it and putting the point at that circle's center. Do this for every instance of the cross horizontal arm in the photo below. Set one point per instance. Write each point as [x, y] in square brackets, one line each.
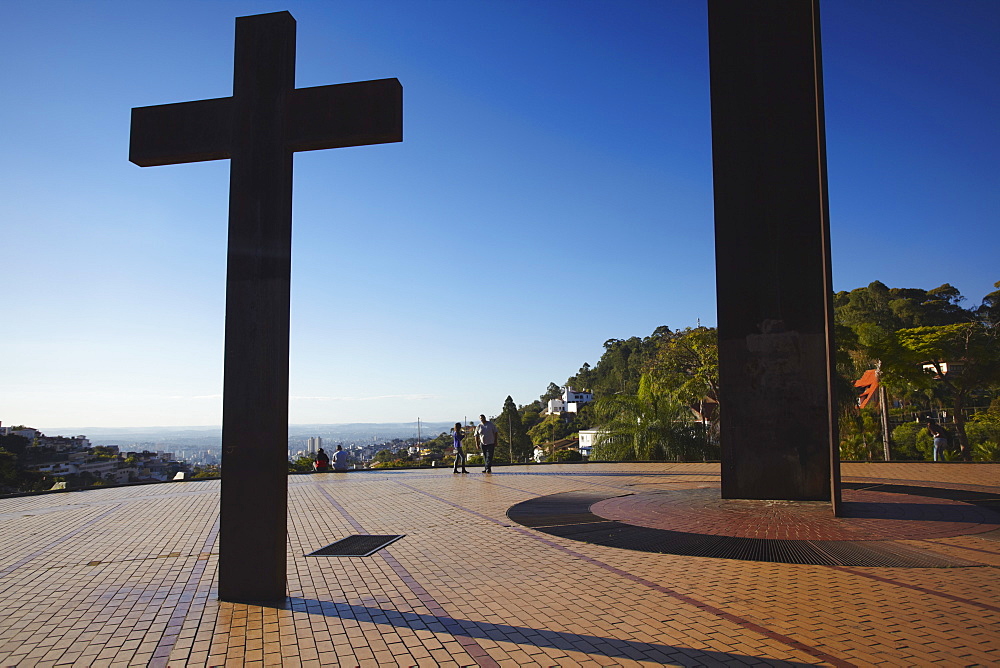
[341, 115]
[337, 116]
[169, 134]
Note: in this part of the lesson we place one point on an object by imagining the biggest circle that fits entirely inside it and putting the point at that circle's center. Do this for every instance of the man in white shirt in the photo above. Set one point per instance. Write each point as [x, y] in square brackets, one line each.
[486, 439]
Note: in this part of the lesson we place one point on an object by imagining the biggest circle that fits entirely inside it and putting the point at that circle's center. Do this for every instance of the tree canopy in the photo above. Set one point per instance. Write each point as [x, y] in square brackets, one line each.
[686, 363]
[651, 424]
[925, 346]
[513, 438]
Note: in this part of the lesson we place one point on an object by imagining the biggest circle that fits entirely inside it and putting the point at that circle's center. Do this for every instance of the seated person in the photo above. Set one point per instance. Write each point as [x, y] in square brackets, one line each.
[340, 460]
[322, 462]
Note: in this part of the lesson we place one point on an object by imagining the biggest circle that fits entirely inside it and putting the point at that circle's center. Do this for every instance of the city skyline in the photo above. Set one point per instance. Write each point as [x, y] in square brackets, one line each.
[553, 190]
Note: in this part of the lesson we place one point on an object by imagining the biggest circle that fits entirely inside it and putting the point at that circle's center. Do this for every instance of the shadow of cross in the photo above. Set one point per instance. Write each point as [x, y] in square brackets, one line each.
[258, 129]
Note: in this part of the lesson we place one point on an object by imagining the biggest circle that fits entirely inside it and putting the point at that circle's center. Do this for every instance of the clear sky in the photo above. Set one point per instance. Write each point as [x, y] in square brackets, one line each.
[553, 190]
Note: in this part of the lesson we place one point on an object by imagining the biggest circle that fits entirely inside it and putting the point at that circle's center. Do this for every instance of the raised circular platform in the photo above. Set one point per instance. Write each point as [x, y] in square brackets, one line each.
[694, 520]
[867, 515]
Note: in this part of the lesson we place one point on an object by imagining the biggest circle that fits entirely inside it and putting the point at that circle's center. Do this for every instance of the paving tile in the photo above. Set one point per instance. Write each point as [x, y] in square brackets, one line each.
[105, 581]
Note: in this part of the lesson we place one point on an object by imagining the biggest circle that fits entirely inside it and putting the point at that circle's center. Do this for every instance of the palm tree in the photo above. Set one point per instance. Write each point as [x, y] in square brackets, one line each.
[649, 425]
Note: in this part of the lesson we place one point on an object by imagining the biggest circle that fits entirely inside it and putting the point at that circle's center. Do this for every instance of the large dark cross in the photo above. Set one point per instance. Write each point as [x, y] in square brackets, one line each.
[258, 129]
[776, 352]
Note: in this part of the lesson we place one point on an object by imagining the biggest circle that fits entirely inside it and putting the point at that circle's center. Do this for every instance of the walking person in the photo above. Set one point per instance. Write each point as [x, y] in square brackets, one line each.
[486, 438]
[457, 435]
[940, 435]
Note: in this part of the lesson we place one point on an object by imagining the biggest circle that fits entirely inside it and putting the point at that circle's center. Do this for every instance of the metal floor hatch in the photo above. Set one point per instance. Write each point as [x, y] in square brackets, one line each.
[355, 546]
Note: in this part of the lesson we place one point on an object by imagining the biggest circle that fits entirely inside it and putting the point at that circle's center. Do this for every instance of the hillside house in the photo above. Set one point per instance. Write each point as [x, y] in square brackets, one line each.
[570, 402]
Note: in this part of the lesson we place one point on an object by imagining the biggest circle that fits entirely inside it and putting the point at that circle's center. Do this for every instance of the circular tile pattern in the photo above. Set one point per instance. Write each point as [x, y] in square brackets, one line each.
[867, 515]
[693, 520]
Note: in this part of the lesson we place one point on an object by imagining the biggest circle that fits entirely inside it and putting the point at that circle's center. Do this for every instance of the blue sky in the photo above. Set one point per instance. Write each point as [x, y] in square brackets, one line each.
[553, 190]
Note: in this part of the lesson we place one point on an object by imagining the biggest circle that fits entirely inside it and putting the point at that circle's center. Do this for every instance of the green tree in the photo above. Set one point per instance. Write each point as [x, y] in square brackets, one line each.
[514, 439]
[583, 379]
[983, 430]
[530, 416]
[553, 391]
[551, 429]
[649, 425]
[868, 322]
[687, 365]
[565, 456]
[438, 444]
[943, 306]
[15, 444]
[900, 308]
[15, 465]
[300, 465]
[104, 452]
[621, 365]
[9, 479]
[960, 358]
[989, 311]
[866, 305]
[860, 435]
[905, 439]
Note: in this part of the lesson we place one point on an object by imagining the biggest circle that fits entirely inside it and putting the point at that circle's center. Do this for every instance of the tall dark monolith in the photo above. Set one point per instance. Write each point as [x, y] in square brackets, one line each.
[778, 426]
[258, 129]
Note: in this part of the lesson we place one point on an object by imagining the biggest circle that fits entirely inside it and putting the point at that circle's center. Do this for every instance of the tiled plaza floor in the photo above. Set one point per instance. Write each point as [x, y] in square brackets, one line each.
[126, 577]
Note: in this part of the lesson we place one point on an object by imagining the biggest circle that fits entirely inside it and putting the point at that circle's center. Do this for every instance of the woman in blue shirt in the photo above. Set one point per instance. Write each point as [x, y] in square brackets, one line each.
[457, 434]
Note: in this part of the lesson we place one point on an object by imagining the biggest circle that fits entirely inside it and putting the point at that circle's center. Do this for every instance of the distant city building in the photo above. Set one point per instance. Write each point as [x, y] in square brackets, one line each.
[76, 456]
[64, 443]
[30, 434]
[314, 444]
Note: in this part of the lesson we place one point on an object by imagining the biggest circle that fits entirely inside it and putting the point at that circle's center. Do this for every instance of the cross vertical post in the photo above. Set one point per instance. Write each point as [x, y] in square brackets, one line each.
[252, 517]
[258, 129]
[774, 282]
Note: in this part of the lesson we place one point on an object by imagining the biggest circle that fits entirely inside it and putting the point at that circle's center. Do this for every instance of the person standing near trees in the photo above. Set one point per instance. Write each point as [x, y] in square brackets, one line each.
[940, 435]
[486, 439]
[457, 435]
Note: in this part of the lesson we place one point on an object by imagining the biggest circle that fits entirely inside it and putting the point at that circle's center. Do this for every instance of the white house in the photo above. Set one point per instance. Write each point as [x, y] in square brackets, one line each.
[575, 400]
[587, 438]
[570, 402]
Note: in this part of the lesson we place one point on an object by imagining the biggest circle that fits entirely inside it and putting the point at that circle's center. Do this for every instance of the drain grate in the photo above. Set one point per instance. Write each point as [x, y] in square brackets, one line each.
[886, 554]
[355, 546]
[989, 500]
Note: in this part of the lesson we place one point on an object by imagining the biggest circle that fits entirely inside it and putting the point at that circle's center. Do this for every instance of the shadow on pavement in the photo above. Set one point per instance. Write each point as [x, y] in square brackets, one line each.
[570, 642]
